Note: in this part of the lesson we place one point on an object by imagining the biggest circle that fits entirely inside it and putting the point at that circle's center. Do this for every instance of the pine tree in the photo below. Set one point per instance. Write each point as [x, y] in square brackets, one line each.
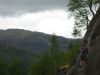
[54, 52]
[54, 45]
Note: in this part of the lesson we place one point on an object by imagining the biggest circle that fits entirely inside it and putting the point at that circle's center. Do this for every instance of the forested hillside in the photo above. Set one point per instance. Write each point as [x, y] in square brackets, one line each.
[21, 47]
[34, 41]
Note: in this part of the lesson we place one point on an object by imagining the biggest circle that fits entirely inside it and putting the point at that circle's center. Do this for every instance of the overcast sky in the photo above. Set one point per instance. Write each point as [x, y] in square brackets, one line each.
[49, 16]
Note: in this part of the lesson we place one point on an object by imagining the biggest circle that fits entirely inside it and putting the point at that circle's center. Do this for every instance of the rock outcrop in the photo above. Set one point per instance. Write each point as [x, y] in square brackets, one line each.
[92, 40]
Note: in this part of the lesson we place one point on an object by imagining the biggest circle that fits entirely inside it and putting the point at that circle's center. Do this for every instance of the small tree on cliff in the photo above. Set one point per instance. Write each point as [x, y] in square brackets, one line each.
[83, 11]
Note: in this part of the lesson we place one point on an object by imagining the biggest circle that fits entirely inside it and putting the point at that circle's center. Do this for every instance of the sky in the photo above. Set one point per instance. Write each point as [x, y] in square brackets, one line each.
[48, 16]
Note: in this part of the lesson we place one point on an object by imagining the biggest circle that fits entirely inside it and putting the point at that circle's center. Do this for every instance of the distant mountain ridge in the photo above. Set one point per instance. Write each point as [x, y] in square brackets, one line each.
[34, 41]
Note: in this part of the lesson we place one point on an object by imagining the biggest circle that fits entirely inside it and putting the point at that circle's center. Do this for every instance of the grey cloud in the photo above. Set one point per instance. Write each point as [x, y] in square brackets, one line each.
[11, 7]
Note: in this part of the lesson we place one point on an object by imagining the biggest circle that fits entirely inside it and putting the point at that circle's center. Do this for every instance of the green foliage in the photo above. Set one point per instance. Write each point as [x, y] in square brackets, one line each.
[43, 66]
[46, 64]
[3, 68]
[69, 57]
[54, 44]
[82, 11]
[15, 68]
[55, 53]
[49, 62]
[76, 32]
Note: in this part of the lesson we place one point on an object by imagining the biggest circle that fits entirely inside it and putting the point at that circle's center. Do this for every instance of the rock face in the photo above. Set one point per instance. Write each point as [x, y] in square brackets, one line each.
[92, 38]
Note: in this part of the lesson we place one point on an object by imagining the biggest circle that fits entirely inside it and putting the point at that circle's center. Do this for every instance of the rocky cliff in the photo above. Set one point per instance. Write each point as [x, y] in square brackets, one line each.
[92, 40]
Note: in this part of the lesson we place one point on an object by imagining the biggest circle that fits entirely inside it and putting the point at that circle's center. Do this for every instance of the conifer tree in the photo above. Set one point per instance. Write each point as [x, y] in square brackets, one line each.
[54, 52]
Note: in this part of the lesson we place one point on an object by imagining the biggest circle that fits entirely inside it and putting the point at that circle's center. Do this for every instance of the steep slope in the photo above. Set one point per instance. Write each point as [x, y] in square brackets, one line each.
[92, 41]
